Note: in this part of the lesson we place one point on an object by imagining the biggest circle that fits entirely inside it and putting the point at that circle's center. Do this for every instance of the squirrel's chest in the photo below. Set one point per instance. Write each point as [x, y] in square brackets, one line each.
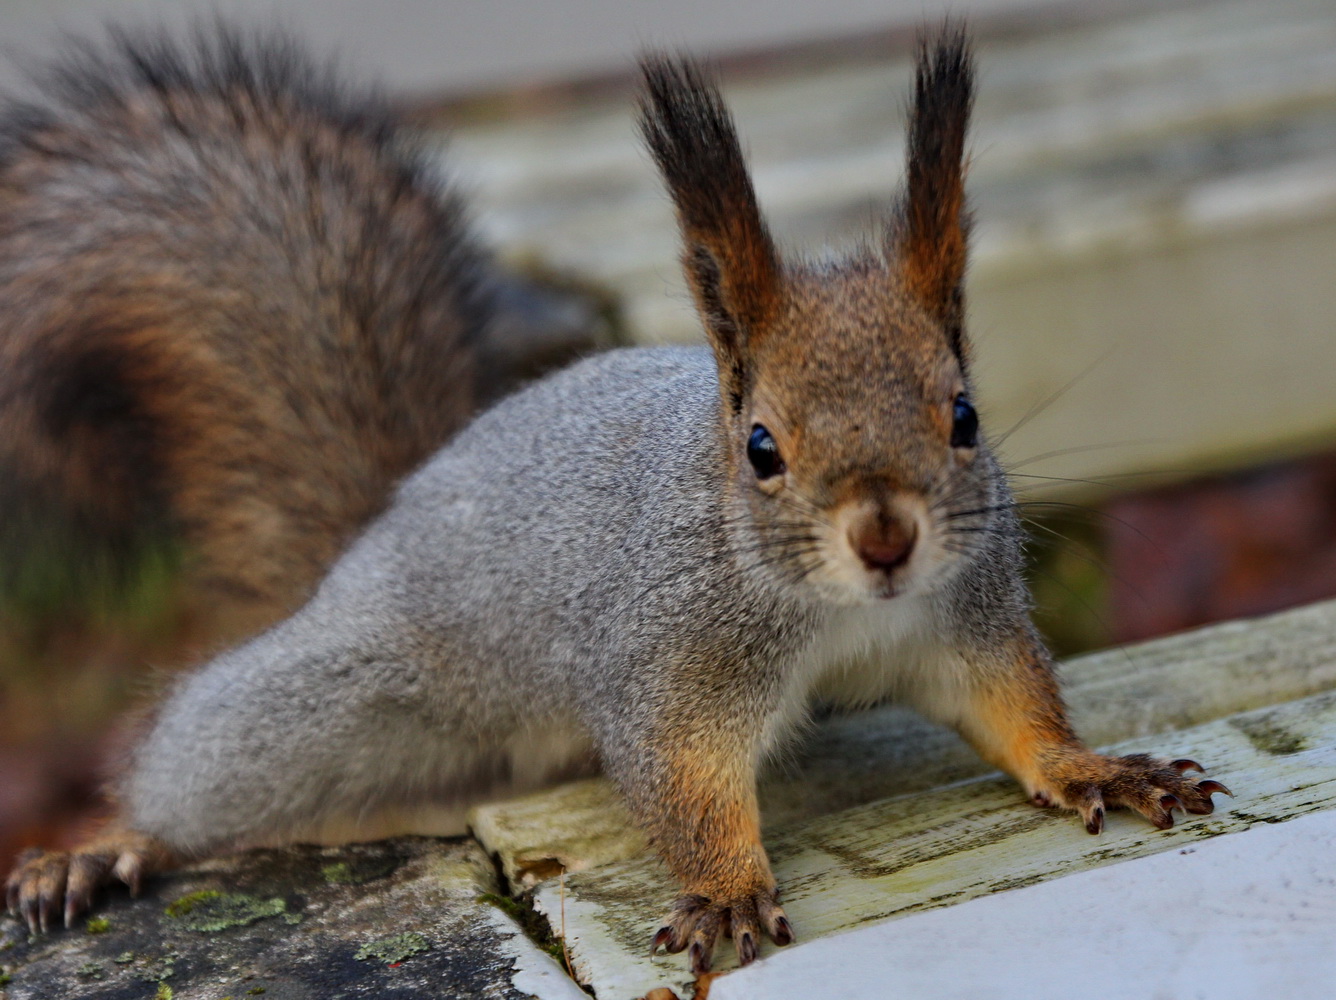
[859, 657]
[873, 653]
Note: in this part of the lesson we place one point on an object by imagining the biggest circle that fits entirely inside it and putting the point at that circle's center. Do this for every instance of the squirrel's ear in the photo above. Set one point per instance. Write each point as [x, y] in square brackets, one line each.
[728, 256]
[932, 224]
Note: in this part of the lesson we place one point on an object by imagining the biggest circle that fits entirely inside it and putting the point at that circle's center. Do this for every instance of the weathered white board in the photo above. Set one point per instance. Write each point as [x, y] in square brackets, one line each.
[1136, 691]
[1155, 203]
[948, 845]
[1232, 918]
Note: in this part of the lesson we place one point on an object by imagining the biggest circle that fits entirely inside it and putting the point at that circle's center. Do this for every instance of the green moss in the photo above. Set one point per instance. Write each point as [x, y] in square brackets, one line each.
[209, 911]
[391, 950]
[186, 904]
[359, 871]
[91, 970]
[164, 992]
[535, 927]
[255, 991]
[1269, 737]
[5, 978]
[124, 958]
[150, 970]
[98, 925]
[339, 873]
[512, 908]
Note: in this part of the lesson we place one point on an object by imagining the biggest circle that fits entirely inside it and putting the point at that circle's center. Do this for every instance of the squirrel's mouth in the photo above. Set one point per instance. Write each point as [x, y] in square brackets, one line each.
[858, 554]
[887, 591]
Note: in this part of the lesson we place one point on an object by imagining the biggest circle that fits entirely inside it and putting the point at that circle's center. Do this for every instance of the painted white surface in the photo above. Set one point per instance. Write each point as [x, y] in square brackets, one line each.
[1239, 917]
[535, 972]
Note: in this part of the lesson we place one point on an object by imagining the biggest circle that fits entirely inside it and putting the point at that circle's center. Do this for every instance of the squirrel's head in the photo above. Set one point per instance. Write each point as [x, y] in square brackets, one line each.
[845, 394]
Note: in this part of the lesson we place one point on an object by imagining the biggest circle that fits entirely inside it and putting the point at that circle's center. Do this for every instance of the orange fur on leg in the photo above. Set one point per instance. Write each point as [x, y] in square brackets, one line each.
[1016, 720]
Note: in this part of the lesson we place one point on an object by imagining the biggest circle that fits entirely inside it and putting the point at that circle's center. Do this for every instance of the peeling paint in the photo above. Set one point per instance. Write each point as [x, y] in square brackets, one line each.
[916, 853]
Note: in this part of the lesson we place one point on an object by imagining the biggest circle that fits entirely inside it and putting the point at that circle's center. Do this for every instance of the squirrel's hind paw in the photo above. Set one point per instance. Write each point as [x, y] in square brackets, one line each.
[696, 922]
[1149, 785]
[47, 886]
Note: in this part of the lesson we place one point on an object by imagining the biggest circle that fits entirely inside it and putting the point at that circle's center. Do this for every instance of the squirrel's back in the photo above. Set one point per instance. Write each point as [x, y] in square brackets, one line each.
[584, 489]
[591, 503]
[234, 310]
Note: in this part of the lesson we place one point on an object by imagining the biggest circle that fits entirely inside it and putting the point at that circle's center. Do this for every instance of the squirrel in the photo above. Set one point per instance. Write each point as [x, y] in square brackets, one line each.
[661, 557]
[237, 308]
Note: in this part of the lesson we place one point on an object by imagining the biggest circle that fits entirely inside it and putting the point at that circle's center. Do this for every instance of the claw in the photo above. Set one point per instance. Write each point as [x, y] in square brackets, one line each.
[747, 949]
[699, 960]
[661, 938]
[1209, 788]
[696, 923]
[30, 914]
[1184, 764]
[1170, 803]
[87, 872]
[14, 884]
[129, 869]
[47, 906]
[1095, 824]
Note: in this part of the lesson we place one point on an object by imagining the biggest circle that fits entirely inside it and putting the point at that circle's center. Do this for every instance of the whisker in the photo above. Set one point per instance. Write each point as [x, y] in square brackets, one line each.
[1069, 479]
[1039, 407]
[1078, 449]
[1093, 511]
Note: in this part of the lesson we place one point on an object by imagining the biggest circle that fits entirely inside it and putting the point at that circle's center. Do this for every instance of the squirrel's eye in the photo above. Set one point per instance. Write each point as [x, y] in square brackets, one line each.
[763, 453]
[965, 428]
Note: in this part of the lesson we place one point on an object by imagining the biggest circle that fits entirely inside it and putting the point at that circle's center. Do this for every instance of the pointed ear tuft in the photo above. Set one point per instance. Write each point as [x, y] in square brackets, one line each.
[932, 229]
[728, 256]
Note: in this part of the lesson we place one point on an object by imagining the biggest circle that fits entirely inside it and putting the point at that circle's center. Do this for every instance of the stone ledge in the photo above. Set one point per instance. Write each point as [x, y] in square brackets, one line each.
[397, 919]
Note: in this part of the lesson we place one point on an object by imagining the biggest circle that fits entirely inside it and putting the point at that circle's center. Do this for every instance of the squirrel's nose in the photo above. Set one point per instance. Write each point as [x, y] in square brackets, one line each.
[884, 543]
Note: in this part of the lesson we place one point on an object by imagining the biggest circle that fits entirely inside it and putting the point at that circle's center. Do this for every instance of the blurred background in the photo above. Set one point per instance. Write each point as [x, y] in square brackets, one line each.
[1151, 291]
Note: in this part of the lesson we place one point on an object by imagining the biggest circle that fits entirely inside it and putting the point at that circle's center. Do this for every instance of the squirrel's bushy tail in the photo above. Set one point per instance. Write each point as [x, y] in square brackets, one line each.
[234, 310]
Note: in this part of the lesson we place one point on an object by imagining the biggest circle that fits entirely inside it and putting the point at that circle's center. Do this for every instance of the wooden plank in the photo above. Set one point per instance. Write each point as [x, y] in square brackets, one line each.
[1234, 918]
[931, 849]
[1136, 692]
[1155, 197]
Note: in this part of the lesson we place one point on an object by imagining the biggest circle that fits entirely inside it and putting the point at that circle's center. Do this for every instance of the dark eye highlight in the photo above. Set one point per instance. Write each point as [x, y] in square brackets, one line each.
[965, 425]
[763, 453]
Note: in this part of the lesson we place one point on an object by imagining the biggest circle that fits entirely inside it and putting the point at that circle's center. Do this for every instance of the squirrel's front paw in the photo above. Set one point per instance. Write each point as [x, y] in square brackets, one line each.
[696, 922]
[49, 885]
[1152, 786]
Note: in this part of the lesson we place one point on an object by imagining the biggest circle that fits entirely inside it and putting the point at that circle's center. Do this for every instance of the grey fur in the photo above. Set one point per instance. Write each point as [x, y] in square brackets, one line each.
[573, 560]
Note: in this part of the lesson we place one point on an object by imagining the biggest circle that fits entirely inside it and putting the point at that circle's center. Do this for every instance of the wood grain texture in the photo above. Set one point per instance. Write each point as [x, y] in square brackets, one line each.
[944, 846]
[1136, 692]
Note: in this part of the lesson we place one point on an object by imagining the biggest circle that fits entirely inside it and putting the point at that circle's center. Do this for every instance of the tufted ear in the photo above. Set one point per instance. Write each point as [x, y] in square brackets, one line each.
[728, 256]
[932, 225]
